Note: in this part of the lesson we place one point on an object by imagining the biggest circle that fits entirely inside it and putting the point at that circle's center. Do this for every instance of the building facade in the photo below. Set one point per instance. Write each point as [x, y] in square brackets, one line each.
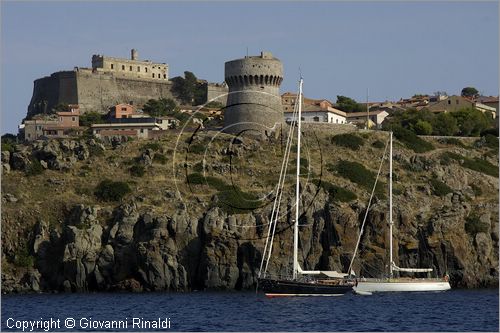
[370, 119]
[133, 67]
[62, 124]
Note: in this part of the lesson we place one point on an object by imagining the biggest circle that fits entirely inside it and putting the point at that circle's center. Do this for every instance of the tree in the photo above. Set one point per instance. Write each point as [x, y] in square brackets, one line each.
[444, 124]
[348, 104]
[160, 107]
[89, 118]
[470, 92]
[61, 107]
[471, 122]
[423, 127]
[188, 89]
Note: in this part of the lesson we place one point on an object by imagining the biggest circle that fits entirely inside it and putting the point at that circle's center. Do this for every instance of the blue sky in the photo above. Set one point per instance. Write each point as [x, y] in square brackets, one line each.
[393, 49]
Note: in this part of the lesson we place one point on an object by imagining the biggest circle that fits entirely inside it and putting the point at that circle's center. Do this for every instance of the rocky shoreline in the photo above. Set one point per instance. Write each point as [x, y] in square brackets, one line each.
[135, 246]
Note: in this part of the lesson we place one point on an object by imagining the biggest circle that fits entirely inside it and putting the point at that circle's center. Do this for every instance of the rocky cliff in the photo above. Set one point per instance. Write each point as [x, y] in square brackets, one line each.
[197, 214]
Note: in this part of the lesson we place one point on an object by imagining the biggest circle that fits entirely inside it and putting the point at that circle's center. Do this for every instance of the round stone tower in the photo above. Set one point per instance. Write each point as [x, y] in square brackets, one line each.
[254, 101]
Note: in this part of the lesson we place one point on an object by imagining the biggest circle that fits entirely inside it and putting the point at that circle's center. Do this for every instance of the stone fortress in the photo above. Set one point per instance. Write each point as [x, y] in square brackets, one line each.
[254, 101]
[109, 82]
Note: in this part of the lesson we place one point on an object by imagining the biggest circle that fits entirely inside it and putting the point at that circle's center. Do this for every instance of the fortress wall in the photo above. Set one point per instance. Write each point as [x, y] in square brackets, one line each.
[218, 93]
[49, 91]
[93, 91]
[99, 91]
[67, 88]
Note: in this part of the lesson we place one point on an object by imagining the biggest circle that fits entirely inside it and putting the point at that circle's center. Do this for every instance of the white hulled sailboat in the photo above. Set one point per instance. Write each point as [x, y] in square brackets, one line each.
[391, 283]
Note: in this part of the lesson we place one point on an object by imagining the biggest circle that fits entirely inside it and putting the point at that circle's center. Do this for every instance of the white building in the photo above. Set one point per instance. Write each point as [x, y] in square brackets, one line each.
[377, 117]
[319, 113]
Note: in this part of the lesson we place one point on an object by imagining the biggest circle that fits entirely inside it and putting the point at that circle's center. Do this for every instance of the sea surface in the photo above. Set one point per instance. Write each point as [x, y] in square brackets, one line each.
[455, 310]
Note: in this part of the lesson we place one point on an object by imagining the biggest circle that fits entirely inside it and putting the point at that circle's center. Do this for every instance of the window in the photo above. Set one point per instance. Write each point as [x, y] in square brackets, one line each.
[130, 68]
[153, 75]
[124, 109]
[316, 118]
[142, 130]
[164, 76]
[73, 118]
[146, 69]
[138, 68]
[112, 66]
[123, 67]
[449, 102]
[457, 101]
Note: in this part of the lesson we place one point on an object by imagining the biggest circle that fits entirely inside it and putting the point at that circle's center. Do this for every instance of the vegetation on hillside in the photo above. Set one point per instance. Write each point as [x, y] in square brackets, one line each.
[411, 140]
[188, 89]
[464, 122]
[348, 140]
[348, 104]
[89, 118]
[164, 107]
[109, 190]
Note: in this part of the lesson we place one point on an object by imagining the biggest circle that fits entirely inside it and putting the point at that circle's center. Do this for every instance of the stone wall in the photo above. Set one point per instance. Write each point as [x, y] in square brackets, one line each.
[97, 91]
[93, 91]
[254, 101]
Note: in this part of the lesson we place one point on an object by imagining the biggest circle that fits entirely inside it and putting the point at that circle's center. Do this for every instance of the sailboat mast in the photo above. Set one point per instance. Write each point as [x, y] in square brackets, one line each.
[390, 207]
[297, 194]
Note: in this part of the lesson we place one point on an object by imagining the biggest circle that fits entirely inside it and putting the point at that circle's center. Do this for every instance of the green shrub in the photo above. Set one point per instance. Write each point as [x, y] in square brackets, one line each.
[89, 118]
[197, 148]
[475, 164]
[152, 145]
[34, 168]
[453, 142]
[195, 179]
[137, 170]
[477, 190]
[491, 141]
[412, 141]
[232, 199]
[8, 146]
[108, 190]
[198, 167]
[439, 188]
[348, 140]
[23, 258]
[422, 127]
[473, 225]
[482, 166]
[336, 193]
[96, 151]
[235, 201]
[358, 174]
[378, 144]
[160, 158]
[198, 179]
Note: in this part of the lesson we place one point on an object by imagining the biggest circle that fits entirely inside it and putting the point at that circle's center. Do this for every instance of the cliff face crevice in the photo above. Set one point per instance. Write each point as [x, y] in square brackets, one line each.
[57, 237]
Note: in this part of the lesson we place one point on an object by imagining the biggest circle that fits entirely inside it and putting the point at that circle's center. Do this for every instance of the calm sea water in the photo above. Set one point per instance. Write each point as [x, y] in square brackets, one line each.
[456, 310]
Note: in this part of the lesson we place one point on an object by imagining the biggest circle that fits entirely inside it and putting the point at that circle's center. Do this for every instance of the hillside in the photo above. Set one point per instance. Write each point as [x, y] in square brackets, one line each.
[197, 211]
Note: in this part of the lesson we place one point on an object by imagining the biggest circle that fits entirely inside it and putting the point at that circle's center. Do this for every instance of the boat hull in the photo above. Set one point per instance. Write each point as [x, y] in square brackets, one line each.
[400, 286]
[277, 288]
